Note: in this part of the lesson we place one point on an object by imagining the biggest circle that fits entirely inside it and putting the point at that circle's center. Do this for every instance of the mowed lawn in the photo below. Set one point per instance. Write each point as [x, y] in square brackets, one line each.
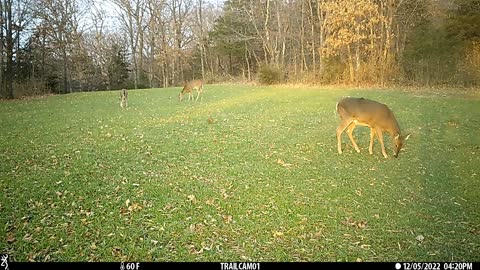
[247, 174]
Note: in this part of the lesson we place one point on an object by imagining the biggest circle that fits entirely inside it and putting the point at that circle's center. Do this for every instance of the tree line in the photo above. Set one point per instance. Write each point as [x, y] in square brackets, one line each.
[63, 46]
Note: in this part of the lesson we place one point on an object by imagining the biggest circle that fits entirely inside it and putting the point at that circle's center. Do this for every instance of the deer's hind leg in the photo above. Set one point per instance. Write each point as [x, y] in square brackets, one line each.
[372, 137]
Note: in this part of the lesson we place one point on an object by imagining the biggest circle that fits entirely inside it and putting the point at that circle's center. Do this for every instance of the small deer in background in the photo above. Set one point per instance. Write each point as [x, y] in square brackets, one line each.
[123, 98]
[189, 88]
[377, 116]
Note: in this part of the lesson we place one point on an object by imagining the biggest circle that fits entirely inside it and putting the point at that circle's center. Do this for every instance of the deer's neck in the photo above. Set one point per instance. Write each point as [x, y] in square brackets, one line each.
[394, 128]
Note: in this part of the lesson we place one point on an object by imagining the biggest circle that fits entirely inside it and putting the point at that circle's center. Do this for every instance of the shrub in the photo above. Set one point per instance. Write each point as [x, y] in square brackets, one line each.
[268, 74]
[333, 70]
[30, 88]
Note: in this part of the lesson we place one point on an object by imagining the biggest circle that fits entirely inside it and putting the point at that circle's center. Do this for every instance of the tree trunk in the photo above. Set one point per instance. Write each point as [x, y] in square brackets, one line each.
[322, 18]
[133, 47]
[42, 63]
[202, 62]
[312, 33]
[2, 86]
[357, 58]
[65, 79]
[302, 41]
[295, 67]
[151, 60]
[140, 52]
[182, 71]
[202, 48]
[266, 42]
[350, 64]
[164, 76]
[357, 64]
[247, 62]
[9, 46]
[230, 63]
[174, 71]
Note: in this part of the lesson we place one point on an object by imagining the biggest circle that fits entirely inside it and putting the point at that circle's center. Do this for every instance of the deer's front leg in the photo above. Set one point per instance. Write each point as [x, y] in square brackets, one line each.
[350, 129]
[380, 138]
[340, 130]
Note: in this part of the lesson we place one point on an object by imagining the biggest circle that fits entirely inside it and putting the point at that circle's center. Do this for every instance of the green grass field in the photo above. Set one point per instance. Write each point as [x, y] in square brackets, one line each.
[84, 180]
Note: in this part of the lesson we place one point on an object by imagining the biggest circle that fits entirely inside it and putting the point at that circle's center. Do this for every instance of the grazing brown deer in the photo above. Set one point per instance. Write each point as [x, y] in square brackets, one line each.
[123, 98]
[190, 87]
[377, 116]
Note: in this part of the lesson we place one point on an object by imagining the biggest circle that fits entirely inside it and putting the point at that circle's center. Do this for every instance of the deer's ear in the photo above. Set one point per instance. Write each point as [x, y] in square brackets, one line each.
[408, 136]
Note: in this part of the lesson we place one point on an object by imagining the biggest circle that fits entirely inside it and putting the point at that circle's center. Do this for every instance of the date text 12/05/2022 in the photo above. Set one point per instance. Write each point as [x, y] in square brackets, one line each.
[435, 266]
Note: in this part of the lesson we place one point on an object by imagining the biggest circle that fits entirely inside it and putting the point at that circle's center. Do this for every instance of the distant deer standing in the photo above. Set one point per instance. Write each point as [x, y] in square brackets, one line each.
[189, 88]
[123, 98]
[377, 116]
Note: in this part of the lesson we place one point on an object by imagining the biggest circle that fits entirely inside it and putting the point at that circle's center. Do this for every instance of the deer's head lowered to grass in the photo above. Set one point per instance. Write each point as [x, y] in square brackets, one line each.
[377, 116]
[189, 88]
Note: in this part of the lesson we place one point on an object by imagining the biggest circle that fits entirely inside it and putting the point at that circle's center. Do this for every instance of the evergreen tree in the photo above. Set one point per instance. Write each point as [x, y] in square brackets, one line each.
[117, 68]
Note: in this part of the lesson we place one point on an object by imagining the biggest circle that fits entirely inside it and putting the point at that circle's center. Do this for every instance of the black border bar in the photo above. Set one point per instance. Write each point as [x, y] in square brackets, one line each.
[229, 265]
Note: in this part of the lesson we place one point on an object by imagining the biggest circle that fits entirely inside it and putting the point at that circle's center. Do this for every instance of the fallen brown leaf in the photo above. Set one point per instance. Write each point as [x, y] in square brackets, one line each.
[10, 238]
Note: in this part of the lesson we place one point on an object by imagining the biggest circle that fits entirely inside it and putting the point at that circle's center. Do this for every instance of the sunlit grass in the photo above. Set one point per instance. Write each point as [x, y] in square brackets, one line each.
[248, 173]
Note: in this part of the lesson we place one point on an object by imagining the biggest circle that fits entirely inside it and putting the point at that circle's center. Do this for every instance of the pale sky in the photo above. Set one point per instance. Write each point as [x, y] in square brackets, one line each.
[110, 8]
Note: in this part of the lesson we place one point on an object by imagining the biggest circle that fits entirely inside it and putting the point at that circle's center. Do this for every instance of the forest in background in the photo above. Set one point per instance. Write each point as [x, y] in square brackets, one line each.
[64, 46]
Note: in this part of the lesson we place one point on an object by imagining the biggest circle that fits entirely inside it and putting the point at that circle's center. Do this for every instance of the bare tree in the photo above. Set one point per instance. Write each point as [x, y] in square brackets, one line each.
[181, 12]
[60, 21]
[2, 49]
[99, 40]
[132, 16]
[7, 21]
[201, 36]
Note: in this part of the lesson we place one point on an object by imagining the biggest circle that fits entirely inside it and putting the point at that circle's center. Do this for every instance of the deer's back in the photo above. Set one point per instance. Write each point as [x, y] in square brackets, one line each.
[365, 111]
[195, 84]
